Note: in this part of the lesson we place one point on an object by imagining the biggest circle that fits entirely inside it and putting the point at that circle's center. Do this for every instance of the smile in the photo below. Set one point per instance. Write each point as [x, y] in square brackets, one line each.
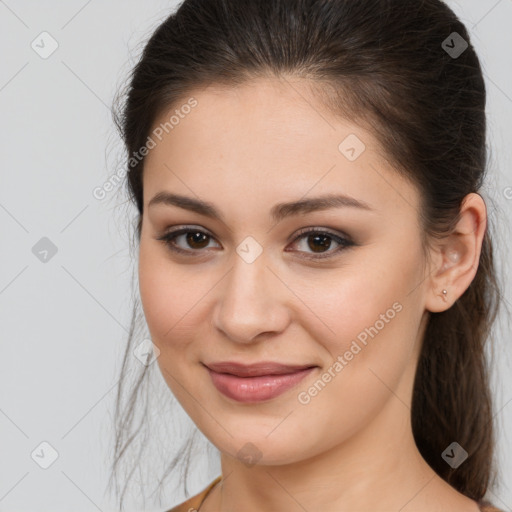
[256, 388]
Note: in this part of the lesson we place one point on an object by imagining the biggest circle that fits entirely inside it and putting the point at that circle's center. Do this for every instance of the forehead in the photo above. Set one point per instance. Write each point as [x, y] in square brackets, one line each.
[282, 115]
[271, 138]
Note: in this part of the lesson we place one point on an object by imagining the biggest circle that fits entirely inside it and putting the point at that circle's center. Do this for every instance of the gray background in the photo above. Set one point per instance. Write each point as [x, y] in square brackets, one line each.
[64, 321]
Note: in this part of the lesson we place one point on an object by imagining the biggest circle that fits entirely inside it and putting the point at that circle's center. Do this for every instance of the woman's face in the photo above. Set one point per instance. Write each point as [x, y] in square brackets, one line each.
[252, 283]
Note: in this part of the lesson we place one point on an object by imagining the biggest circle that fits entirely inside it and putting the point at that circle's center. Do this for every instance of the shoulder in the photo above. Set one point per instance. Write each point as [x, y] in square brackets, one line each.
[485, 506]
[194, 502]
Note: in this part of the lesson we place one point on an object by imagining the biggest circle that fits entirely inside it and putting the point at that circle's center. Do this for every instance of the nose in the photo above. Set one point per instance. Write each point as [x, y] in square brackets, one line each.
[252, 302]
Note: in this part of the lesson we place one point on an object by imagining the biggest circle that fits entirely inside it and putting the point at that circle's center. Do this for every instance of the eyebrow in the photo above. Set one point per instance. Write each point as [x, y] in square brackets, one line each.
[277, 213]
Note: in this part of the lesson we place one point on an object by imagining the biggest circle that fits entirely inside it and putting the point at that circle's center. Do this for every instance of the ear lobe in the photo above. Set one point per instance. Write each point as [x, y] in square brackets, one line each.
[459, 255]
[441, 294]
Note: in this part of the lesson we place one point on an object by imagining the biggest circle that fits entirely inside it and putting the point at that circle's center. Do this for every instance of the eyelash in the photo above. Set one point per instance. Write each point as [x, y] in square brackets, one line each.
[344, 242]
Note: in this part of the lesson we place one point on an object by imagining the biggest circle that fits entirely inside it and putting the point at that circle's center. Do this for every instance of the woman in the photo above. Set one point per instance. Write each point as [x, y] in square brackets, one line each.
[315, 260]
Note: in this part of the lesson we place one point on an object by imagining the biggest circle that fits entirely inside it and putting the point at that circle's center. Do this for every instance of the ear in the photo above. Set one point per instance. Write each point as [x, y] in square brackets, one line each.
[456, 257]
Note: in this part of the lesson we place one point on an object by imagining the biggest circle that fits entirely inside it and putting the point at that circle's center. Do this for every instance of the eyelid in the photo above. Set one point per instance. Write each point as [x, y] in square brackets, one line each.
[181, 230]
[343, 240]
[318, 229]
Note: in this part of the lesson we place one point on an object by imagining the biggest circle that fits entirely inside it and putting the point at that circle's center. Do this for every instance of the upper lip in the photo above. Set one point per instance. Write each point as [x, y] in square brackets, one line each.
[256, 369]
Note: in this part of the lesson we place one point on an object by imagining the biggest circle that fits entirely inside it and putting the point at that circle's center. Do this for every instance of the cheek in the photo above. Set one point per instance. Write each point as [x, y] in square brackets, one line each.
[368, 354]
[171, 300]
[168, 295]
[343, 306]
[368, 317]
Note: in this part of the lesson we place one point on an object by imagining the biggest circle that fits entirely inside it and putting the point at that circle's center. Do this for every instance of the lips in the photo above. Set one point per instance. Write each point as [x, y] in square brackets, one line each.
[257, 369]
[256, 382]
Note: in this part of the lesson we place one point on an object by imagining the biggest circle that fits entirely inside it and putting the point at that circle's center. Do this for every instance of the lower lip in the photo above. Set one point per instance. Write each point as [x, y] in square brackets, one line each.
[256, 389]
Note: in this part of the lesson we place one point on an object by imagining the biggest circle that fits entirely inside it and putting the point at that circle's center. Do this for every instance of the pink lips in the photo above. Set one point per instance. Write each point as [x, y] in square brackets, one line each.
[256, 382]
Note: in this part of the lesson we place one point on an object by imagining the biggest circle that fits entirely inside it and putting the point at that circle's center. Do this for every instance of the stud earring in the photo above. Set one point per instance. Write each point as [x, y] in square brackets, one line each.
[444, 295]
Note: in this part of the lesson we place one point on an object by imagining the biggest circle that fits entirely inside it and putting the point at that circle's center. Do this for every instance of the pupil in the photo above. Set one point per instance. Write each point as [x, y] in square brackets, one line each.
[324, 242]
[193, 238]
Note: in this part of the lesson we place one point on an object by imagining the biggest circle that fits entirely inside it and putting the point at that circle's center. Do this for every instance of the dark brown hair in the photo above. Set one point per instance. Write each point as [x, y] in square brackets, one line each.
[383, 64]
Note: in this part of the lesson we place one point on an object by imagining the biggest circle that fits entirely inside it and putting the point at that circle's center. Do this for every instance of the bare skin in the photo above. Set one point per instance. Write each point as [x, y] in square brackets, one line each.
[350, 447]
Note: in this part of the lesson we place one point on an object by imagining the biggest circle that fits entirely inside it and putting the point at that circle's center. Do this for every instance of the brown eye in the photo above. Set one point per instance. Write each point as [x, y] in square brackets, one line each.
[193, 240]
[320, 241]
[316, 241]
[196, 239]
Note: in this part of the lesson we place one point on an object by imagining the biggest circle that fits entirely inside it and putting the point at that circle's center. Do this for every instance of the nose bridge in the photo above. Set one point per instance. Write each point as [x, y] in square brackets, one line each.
[250, 302]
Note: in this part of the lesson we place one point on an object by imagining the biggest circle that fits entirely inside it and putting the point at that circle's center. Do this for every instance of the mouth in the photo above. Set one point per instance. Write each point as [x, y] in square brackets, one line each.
[256, 382]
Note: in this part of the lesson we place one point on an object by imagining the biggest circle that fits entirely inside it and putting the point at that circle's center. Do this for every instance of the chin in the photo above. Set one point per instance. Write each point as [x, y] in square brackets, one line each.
[261, 448]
